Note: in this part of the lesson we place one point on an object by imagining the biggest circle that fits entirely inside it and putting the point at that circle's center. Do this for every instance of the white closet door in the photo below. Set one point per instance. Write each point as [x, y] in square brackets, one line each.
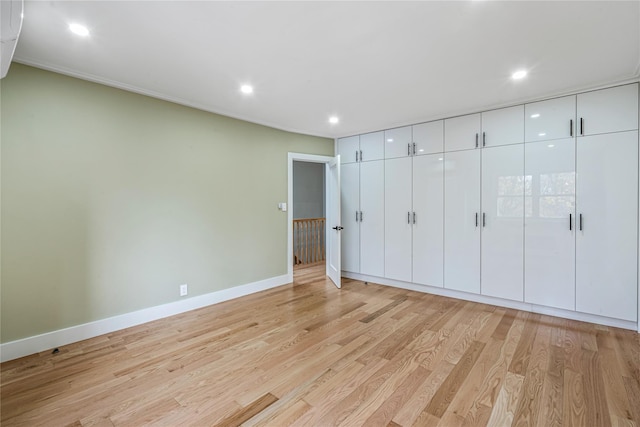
[398, 143]
[550, 223]
[462, 221]
[372, 219]
[397, 219]
[502, 220]
[428, 205]
[606, 243]
[608, 110]
[462, 133]
[372, 146]
[551, 119]
[348, 148]
[428, 137]
[350, 208]
[503, 126]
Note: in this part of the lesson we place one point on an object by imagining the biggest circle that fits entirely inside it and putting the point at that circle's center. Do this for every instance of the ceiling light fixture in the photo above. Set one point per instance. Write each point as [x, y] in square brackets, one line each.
[246, 89]
[78, 29]
[520, 74]
[334, 120]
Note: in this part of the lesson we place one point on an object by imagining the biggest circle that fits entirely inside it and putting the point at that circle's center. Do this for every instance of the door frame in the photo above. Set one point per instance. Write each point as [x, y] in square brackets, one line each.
[309, 158]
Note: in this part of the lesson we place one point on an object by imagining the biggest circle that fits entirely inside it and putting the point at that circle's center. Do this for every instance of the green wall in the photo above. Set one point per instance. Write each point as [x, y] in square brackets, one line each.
[111, 200]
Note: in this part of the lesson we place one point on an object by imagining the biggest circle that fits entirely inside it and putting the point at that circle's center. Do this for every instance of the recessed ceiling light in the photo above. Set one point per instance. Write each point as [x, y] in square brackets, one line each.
[535, 116]
[334, 120]
[246, 89]
[78, 29]
[520, 74]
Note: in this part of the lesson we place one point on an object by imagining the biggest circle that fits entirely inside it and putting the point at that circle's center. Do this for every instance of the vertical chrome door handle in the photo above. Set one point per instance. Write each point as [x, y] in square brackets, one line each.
[356, 216]
[570, 225]
[408, 217]
[360, 155]
[484, 219]
[581, 126]
[414, 217]
[484, 139]
[360, 216]
[356, 156]
[476, 219]
[580, 222]
[414, 148]
[476, 140]
[408, 149]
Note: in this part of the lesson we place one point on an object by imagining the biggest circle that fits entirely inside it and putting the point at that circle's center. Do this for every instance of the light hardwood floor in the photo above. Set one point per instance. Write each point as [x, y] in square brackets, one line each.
[310, 354]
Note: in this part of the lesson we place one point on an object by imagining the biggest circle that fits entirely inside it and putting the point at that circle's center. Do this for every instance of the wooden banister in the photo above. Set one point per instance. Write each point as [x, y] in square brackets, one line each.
[308, 240]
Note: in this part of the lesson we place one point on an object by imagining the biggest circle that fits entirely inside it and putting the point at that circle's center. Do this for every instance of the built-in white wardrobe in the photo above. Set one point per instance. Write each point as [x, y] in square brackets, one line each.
[533, 206]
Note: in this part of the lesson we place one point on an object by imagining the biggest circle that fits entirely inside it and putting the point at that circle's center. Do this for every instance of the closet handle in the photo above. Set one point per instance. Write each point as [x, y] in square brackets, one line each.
[476, 140]
[571, 127]
[484, 219]
[408, 149]
[476, 219]
[581, 126]
[484, 139]
[356, 156]
[580, 222]
[360, 155]
[408, 217]
[356, 216]
[360, 216]
[570, 226]
[414, 217]
[414, 148]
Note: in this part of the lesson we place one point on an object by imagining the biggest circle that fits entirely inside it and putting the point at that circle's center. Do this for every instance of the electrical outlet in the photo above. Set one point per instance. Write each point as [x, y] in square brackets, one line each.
[183, 290]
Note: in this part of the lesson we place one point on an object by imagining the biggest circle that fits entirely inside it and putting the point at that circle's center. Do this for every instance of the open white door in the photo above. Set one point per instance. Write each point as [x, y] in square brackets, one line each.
[334, 228]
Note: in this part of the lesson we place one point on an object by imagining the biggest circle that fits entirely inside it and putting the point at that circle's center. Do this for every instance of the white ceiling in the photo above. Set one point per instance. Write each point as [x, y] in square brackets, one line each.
[374, 64]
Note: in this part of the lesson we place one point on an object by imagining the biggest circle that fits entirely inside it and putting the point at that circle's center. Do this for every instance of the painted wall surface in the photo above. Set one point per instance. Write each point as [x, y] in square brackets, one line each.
[111, 200]
[308, 190]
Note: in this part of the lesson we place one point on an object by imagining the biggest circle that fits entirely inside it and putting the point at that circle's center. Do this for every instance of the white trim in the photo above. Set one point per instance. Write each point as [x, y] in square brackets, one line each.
[533, 308]
[300, 157]
[26, 346]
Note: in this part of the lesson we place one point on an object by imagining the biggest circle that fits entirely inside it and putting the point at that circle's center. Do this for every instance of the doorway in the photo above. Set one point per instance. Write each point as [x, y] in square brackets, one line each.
[327, 232]
[308, 214]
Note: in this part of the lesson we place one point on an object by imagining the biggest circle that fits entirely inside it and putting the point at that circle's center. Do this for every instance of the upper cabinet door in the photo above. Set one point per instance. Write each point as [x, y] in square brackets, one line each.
[608, 110]
[372, 146]
[503, 127]
[349, 149]
[398, 143]
[428, 138]
[462, 133]
[551, 119]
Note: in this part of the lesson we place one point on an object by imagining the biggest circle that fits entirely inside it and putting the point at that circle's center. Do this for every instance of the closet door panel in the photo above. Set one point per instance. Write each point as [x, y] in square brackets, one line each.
[372, 219]
[550, 223]
[550, 119]
[348, 149]
[372, 146]
[429, 137]
[462, 133]
[608, 110]
[398, 143]
[503, 189]
[428, 205]
[397, 219]
[349, 211]
[462, 221]
[607, 236]
[503, 126]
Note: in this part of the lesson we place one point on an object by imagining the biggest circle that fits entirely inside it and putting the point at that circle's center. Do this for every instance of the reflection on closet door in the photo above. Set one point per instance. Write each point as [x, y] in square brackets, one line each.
[503, 188]
[550, 223]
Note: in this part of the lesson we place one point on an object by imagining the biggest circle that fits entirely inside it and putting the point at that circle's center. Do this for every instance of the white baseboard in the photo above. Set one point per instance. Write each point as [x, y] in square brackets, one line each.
[26, 346]
[557, 312]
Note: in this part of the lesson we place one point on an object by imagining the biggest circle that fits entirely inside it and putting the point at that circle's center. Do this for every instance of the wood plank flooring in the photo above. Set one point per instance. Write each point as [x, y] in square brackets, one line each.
[308, 354]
